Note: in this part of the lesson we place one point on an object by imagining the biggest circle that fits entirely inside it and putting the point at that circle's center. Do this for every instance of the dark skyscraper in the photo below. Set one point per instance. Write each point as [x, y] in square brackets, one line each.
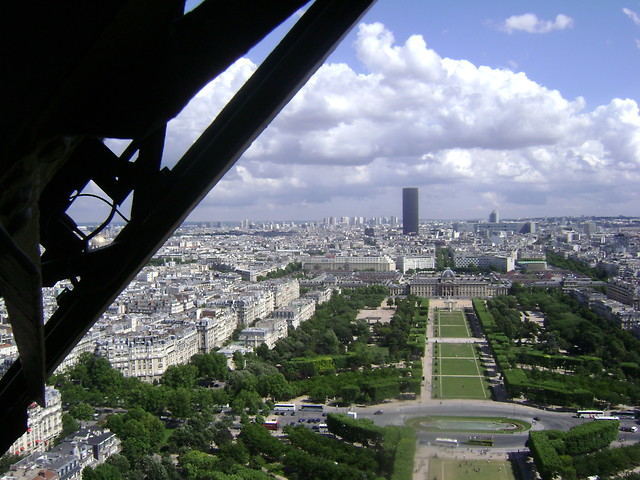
[409, 210]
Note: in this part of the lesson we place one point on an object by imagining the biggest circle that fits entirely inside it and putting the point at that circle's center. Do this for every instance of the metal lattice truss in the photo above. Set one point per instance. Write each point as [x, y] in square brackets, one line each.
[83, 71]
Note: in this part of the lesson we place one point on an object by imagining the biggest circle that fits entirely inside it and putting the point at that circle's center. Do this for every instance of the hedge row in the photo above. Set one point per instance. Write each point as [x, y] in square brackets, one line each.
[405, 453]
[518, 383]
[362, 431]
[608, 462]
[418, 332]
[540, 359]
[382, 389]
[553, 450]
[516, 380]
[590, 436]
[486, 319]
[547, 460]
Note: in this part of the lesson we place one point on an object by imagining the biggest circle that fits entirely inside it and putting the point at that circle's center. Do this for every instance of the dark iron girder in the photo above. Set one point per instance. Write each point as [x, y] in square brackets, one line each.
[162, 200]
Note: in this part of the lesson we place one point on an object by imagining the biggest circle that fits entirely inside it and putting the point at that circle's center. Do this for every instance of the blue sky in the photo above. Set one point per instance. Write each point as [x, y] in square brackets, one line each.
[527, 107]
[596, 57]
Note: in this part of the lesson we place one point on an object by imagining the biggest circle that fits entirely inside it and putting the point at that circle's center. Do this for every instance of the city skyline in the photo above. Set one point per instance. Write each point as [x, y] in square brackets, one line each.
[536, 117]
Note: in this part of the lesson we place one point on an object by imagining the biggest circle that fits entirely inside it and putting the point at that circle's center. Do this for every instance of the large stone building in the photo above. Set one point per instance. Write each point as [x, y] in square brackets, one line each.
[147, 355]
[448, 284]
[297, 312]
[321, 295]
[284, 290]
[47, 466]
[624, 292]
[351, 264]
[215, 327]
[88, 447]
[405, 263]
[502, 263]
[494, 228]
[250, 305]
[267, 331]
[44, 425]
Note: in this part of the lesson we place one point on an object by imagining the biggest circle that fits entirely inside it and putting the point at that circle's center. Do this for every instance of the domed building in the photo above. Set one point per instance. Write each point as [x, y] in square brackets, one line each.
[448, 284]
[448, 275]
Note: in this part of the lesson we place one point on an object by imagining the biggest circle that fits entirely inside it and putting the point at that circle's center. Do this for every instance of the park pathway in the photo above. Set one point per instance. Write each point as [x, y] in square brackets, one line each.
[424, 452]
[427, 360]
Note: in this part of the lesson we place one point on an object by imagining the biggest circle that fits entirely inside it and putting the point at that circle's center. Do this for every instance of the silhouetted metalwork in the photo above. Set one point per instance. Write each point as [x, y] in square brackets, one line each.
[81, 71]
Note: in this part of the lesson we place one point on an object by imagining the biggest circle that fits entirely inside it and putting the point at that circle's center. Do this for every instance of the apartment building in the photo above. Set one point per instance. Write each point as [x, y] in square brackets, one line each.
[267, 331]
[147, 355]
[624, 291]
[88, 447]
[356, 263]
[405, 263]
[321, 295]
[284, 290]
[44, 424]
[501, 262]
[215, 327]
[250, 305]
[296, 312]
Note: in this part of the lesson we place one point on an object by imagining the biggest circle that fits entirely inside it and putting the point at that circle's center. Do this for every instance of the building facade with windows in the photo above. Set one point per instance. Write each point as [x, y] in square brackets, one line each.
[381, 263]
[448, 284]
[624, 292]
[410, 211]
[44, 425]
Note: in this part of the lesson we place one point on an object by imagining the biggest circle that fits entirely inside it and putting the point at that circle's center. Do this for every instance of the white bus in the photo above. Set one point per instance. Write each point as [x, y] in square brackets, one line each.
[447, 442]
[606, 417]
[285, 407]
[589, 413]
[311, 407]
[627, 415]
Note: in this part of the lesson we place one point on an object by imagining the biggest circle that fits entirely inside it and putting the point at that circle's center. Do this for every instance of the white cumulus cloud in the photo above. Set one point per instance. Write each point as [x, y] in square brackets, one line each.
[472, 138]
[632, 15]
[530, 23]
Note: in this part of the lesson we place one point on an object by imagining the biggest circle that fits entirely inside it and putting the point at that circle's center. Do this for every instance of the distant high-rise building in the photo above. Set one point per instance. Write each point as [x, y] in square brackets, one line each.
[590, 228]
[410, 220]
[494, 217]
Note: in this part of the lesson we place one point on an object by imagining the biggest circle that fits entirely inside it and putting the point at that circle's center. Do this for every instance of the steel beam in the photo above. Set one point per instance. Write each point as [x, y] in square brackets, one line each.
[102, 274]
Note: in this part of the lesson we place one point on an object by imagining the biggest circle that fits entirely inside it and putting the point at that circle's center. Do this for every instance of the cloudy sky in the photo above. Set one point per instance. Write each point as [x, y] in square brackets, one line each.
[527, 107]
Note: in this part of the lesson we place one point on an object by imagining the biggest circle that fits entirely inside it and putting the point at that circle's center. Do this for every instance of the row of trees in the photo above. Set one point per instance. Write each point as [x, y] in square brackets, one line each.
[176, 415]
[608, 462]
[290, 269]
[577, 329]
[553, 450]
[602, 358]
[364, 452]
[335, 356]
[575, 265]
[444, 258]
